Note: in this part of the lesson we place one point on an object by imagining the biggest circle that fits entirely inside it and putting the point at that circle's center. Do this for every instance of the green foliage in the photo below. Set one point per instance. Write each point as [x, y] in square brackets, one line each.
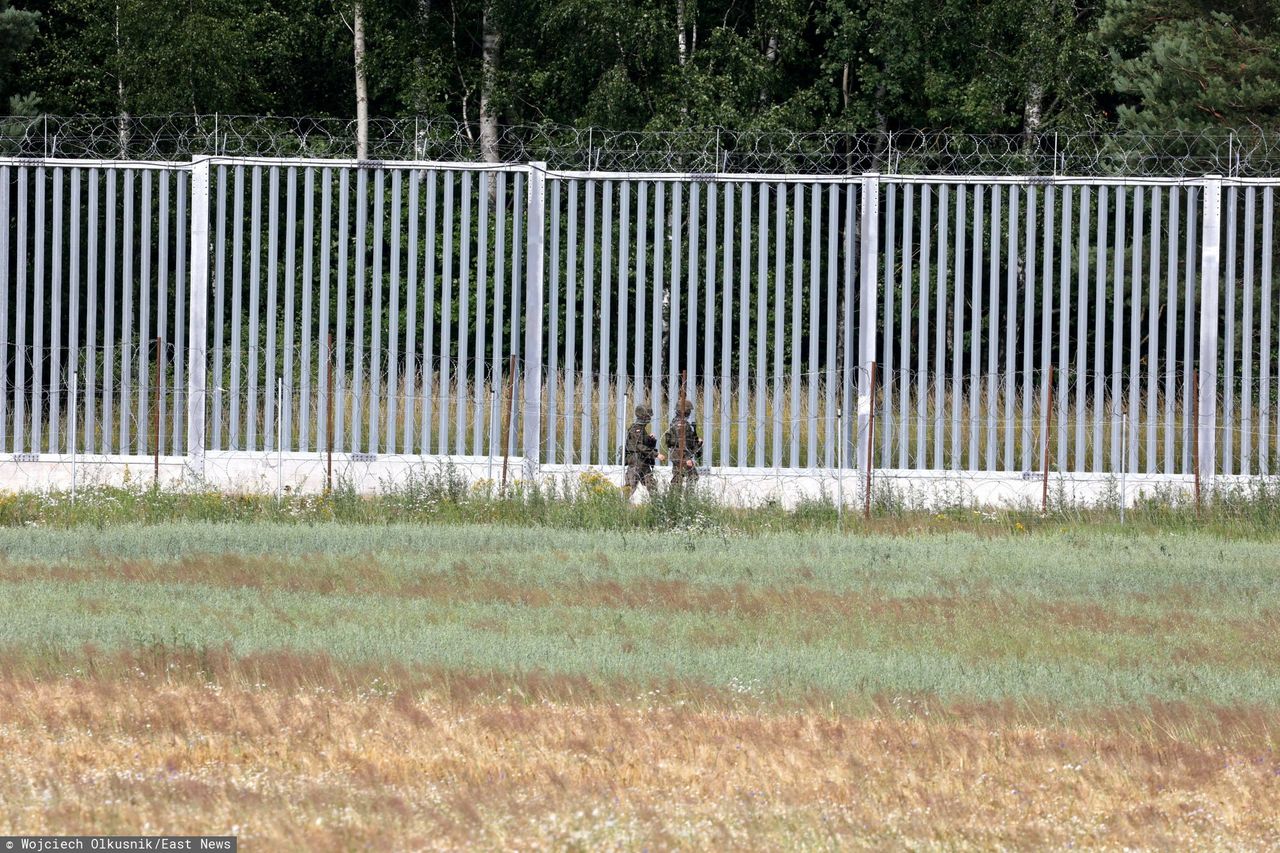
[17, 32]
[1181, 65]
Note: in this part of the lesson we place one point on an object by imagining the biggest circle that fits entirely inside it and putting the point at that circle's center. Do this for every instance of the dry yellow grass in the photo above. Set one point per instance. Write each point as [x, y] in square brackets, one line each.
[291, 767]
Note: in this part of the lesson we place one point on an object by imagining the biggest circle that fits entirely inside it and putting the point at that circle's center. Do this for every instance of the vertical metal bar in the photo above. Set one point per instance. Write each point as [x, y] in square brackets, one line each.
[1012, 266]
[1246, 336]
[978, 316]
[446, 318]
[691, 325]
[1229, 417]
[343, 239]
[376, 311]
[308, 321]
[744, 319]
[993, 337]
[762, 314]
[1264, 349]
[940, 329]
[145, 345]
[389, 442]
[517, 270]
[324, 359]
[255, 304]
[73, 320]
[536, 231]
[198, 320]
[411, 374]
[38, 287]
[499, 288]
[1189, 319]
[1171, 330]
[286, 386]
[890, 317]
[589, 320]
[1046, 322]
[673, 332]
[624, 265]
[779, 310]
[464, 318]
[55, 313]
[1064, 323]
[721, 447]
[922, 345]
[1080, 397]
[93, 280]
[659, 246]
[20, 318]
[127, 285]
[852, 279]
[832, 302]
[5, 191]
[553, 370]
[237, 312]
[1135, 331]
[868, 280]
[1207, 370]
[1153, 331]
[108, 308]
[1117, 337]
[957, 329]
[571, 325]
[429, 320]
[482, 310]
[180, 284]
[360, 334]
[904, 336]
[169, 329]
[797, 237]
[814, 298]
[1028, 332]
[642, 233]
[269, 431]
[604, 435]
[1097, 364]
[832, 308]
[219, 290]
[162, 304]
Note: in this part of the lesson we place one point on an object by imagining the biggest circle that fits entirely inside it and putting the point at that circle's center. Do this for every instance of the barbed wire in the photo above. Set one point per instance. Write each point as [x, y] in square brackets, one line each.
[1249, 152]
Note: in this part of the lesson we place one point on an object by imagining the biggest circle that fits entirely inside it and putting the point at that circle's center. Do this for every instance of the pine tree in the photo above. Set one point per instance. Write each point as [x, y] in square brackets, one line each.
[17, 32]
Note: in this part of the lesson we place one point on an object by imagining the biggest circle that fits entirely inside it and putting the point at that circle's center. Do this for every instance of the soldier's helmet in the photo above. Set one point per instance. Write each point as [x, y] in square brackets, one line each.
[686, 407]
[643, 413]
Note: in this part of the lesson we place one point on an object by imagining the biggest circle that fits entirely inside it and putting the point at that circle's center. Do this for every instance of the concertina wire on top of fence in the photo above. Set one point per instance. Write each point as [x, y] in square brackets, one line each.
[1245, 153]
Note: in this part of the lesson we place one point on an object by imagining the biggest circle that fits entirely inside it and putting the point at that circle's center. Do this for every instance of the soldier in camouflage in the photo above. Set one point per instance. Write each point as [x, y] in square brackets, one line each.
[683, 445]
[641, 451]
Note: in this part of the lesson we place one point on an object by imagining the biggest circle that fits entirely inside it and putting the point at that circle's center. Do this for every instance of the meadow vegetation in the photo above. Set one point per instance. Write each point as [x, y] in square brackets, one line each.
[342, 684]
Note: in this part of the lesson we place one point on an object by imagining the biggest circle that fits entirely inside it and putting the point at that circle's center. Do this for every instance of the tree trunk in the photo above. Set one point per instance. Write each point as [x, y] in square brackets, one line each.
[488, 83]
[1032, 112]
[420, 105]
[682, 37]
[362, 82]
[122, 118]
[771, 57]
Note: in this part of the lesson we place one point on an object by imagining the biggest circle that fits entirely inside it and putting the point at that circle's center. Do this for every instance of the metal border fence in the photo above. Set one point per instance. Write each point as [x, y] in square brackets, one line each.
[431, 309]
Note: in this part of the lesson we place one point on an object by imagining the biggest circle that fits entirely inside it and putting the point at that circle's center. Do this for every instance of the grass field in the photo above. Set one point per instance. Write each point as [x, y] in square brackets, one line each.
[335, 686]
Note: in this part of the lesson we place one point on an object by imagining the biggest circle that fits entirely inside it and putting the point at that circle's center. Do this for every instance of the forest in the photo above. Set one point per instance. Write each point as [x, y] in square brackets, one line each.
[989, 67]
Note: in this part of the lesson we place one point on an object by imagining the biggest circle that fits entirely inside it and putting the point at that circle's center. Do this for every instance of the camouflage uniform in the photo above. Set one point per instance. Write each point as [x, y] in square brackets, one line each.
[683, 445]
[641, 452]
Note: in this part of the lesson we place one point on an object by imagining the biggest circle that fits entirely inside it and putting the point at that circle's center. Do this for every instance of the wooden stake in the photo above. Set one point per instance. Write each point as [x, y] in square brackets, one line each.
[155, 427]
[1048, 423]
[506, 420]
[871, 444]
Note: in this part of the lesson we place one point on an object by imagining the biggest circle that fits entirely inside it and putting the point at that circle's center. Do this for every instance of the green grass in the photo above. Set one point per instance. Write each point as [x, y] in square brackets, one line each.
[1069, 619]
